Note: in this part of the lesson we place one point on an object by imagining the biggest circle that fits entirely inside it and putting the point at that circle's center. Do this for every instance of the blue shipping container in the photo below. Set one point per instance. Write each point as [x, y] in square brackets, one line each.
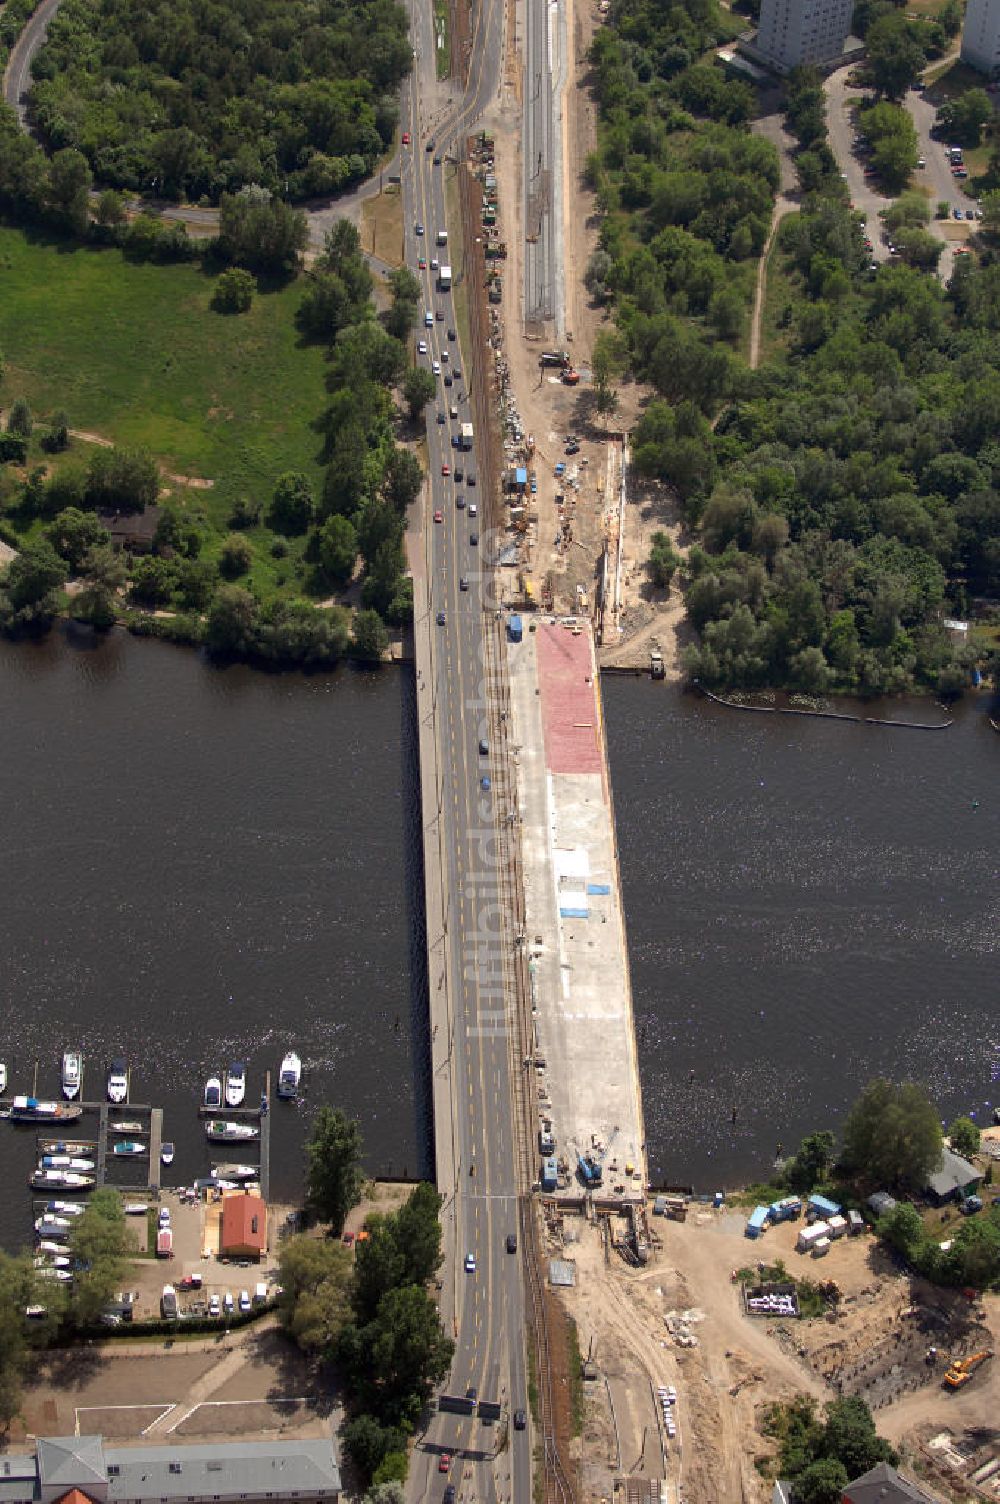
[757, 1221]
[514, 629]
[550, 1174]
[823, 1207]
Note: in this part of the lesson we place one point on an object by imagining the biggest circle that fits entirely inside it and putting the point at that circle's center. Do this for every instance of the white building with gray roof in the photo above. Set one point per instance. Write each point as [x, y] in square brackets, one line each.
[78, 1469]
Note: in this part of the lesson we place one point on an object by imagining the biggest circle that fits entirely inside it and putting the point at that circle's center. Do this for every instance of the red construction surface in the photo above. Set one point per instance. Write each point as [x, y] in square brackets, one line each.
[569, 701]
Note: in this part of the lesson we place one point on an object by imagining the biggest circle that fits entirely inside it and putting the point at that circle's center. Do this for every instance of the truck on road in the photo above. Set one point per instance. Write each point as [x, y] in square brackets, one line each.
[444, 278]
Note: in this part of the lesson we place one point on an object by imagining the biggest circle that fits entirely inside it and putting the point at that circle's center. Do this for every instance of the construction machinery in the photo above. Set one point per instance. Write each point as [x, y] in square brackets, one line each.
[962, 1369]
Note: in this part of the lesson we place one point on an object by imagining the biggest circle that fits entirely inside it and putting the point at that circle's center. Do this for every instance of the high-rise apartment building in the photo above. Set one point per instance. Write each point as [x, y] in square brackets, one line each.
[981, 35]
[804, 31]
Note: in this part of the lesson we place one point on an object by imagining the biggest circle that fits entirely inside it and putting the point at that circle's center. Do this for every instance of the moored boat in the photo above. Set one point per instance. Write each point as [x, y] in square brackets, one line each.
[128, 1125]
[58, 1231]
[56, 1250]
[128, 1147]
[221, 1132]
[136, 1208]
[66, 1162]
[68, 1146]
[167, 1152]
[31, 1110]
[3, 1077]
[63, 1275]
[64, 1208]
[213, 1092]
[235, 1172]
[290, 1075]
[236, 1084]
[55, 1262]
[118, 1081]
[46, 1179]
[72, 1074]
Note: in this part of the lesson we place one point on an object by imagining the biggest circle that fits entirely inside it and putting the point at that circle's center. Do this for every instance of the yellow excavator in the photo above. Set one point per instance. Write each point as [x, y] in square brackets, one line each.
[962, 1369]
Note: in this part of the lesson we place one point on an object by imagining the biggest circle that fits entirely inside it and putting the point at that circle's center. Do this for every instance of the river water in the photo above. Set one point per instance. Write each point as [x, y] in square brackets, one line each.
[809, 903]
[202, 865]
[205, 865]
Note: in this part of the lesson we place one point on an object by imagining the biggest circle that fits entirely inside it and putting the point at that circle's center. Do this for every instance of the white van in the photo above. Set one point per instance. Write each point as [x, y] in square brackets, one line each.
[168, 1302]
[428, 319]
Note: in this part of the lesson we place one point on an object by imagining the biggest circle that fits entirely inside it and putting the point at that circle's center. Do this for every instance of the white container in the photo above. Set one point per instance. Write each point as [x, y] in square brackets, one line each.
[820, 1248]
[837, 1226]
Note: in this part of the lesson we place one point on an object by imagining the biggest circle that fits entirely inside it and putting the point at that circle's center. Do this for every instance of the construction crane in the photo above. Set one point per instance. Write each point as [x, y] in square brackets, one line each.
[962, 1370]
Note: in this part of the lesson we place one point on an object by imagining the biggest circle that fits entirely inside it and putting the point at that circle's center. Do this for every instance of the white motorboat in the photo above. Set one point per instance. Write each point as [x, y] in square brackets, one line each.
[235, 1172]
[128, 1125]
[72, 1074]
[213, 1092]
[290, 1075]
[65, 1208]
[167, 1152]
[50, 1179]
[3, 1077]
[49, 1219]
[31, 1110]
[136, 1208]
[129, 1148]
[223, 1133]
[49, 1230]
[118, 1081]
[236, 1084]
[66, 1162]
[47, 1272]
[56, 1250]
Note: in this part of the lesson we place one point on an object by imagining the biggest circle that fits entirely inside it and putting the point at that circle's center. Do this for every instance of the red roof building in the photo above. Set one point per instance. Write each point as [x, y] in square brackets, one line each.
[244, 1226]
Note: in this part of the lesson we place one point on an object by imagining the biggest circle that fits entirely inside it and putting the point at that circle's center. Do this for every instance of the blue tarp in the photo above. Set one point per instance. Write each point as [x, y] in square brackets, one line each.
[573, 913]
[598, 887]
[521, 476]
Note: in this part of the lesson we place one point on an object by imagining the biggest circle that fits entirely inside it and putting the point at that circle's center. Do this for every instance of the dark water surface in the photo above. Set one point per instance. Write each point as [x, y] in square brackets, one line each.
[808, 904]
[201, 865]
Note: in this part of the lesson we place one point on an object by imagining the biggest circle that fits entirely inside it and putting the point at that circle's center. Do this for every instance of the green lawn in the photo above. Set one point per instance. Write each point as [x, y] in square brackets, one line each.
[136, 354]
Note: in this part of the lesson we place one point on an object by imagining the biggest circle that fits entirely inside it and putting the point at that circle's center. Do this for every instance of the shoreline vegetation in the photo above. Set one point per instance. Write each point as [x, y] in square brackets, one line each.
[209, 497]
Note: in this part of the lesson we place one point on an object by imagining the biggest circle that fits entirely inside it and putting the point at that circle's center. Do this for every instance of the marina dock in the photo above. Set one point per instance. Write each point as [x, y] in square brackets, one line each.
[155, 1145]
[102, 1145]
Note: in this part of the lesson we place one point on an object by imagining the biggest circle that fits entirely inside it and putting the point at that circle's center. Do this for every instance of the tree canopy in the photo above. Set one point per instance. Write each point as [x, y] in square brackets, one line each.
[334, 1176]
[892, 1136]
[197, 99]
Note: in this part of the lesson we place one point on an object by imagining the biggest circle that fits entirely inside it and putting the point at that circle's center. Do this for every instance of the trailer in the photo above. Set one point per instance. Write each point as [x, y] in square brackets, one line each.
[164, 1243]
[820, 1206]
[837, 1226]
[810, 1236]
[466, 436]
[444, 278]
[855, 1223]
[550, 1173]
[787, 1209]
[757, 1221]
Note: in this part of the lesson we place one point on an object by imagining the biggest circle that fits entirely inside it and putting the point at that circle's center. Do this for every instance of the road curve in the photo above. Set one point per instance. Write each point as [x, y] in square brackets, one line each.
[17, 74]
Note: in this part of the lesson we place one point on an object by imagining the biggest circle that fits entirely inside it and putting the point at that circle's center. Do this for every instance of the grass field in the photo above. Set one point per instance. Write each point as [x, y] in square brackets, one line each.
[135, 353]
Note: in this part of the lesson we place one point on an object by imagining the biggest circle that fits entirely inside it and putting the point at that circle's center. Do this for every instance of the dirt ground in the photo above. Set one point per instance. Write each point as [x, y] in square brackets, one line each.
[569, 565]
[636, 1324]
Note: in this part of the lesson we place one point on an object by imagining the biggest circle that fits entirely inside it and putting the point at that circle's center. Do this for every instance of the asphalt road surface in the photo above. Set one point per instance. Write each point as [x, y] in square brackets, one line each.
[487, 1301]
[17, 74]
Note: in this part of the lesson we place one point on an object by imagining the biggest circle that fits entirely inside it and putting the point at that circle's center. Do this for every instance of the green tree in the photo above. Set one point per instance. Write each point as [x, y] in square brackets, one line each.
[334, 1175]
[19, 418]
[386, 1492]
[402, 479]
[28, 590]
[20, 1287]
[903, 1230]
[419, 387]
[99, 1242]
[104, 573]
[367, 1443]
[260, 232]
[315, 1277]
[235, 557]
[337, 550]
[110, 210]
[895, 57]
[234, 291]
[663, 561]
[810, 1163]
[231, 629]
[962, 118]
[851, 1437]
[57, 438]
[822, 1482]
[70, 182]
[291, 509]
[195, 582]
[369, 636]
[395, 1359]
[892, 1136]
[153, 580]
[122, 480]
[73, 533]
[964, 1136]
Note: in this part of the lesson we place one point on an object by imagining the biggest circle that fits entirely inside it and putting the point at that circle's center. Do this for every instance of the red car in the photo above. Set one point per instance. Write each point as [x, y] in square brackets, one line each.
[444, 1462]
[438, 517]
[406, 138]
[422, 263]
[446, 468]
